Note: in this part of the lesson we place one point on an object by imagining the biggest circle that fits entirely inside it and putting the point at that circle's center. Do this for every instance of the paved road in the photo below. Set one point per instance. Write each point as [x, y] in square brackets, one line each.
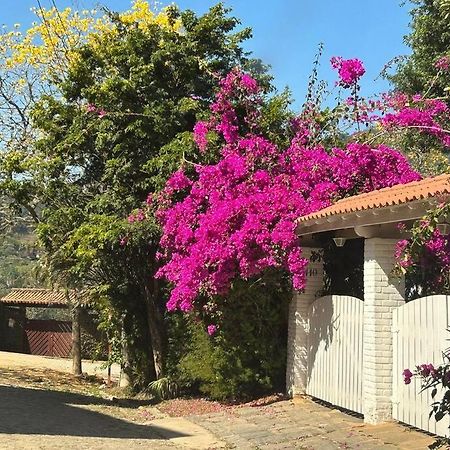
[49, 420]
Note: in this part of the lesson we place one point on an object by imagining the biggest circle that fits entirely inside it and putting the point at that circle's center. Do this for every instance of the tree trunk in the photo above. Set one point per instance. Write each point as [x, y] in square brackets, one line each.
[76, 341]
[155, 324]
[125, 375]
[135, 369]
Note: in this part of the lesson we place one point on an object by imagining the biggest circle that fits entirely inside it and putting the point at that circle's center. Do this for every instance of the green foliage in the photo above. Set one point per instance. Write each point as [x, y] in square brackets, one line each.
[41, 313]
[92, 348]
[247, 355]
[119, 126]
[275, 117]
[18, 259]
[163, 389]
[429, 41]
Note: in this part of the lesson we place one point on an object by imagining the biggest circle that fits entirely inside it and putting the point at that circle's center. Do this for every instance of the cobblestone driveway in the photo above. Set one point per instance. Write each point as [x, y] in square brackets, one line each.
[306, 425]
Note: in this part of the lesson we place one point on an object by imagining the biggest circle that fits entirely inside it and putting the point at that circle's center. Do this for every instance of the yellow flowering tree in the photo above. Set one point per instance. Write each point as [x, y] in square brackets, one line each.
[50, 44]
[34, 62]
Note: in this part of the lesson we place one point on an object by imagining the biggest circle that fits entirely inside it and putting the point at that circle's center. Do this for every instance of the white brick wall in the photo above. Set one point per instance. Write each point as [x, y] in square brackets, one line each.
[297, 352]
[381, 295]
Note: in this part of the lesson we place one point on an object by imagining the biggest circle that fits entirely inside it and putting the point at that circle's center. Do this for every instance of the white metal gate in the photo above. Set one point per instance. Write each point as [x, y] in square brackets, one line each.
[335, 351]
[420, 330]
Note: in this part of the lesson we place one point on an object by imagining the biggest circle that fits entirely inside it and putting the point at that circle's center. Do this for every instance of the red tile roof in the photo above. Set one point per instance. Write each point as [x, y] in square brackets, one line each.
[37, 297]
[395, 195]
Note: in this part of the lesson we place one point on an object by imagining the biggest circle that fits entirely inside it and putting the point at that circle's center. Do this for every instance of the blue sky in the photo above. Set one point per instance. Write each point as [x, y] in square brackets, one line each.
[286, 33]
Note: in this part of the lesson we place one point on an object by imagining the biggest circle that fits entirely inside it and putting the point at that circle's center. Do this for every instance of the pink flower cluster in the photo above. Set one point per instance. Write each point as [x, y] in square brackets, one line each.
[234, 88]
[349, 70]
[403, 259]
[427, 251]
[426, 117]
[396, 110]
[438, 247]
[93, 109]
[424, 370]
[237, 218]
[443, 63]
[139, 216]
[200, 132]
[178, 181]
[407, 375]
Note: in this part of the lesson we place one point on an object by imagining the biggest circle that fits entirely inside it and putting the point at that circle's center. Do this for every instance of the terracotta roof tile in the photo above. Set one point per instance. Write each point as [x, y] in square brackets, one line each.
[395, 195]
[38, 297]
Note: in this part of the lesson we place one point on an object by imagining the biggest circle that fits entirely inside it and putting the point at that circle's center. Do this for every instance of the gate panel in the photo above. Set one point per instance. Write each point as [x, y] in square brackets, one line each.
[62, 340]
[420, 332]
[335, 351]
[49, 337]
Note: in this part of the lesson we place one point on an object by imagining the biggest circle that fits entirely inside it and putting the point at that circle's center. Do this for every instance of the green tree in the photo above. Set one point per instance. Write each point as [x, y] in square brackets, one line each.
[118, 127]
[420, 72]
[429, 41]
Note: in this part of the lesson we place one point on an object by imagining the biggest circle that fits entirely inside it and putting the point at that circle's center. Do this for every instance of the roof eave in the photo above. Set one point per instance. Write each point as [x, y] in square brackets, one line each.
[374, 216]
[30, 304]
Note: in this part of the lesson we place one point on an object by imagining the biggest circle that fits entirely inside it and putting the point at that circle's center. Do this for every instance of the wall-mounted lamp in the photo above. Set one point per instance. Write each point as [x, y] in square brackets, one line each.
[339, 241]
[444, 228]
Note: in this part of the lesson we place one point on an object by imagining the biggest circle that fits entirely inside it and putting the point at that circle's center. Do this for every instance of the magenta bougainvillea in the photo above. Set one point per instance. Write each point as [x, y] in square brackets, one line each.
[426, 253]
[425, 371]
[426, 115]
[349, 70]
[443, 63]
[237, 218]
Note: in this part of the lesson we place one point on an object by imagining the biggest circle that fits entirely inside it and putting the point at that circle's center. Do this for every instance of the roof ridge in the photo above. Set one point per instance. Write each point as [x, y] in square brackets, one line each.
[40, 289]
[414, 183]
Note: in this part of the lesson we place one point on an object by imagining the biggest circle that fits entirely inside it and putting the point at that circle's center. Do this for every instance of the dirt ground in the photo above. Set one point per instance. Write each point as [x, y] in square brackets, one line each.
[9, 359]
[44, 407]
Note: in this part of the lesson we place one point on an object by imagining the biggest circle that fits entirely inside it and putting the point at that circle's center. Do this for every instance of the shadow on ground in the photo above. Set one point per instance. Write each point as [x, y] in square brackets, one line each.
[52, 380]
[44, 412]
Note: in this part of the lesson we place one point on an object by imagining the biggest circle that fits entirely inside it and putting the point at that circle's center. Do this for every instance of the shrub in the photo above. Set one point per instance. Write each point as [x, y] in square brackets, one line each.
[244, 358]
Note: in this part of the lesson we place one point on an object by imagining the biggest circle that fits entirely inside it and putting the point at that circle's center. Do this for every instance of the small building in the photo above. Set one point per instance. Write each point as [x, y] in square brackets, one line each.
[351, 351]
[49, 337]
